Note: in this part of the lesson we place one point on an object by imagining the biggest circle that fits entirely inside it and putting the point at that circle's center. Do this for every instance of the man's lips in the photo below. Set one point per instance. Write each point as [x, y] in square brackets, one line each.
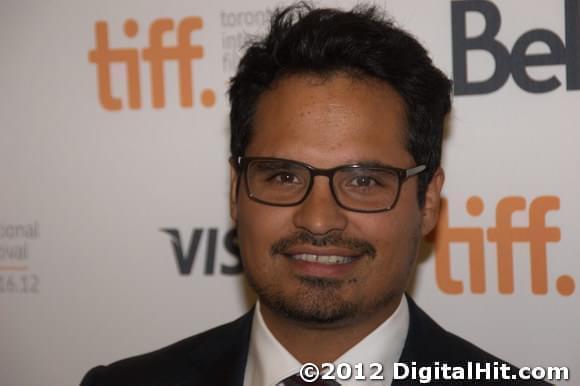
[326, 255]
[333, 244]
[323, 259]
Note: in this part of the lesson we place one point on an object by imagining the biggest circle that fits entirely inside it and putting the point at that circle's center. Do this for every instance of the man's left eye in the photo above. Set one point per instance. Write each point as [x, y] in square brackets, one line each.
[286, 178]
[363, 181]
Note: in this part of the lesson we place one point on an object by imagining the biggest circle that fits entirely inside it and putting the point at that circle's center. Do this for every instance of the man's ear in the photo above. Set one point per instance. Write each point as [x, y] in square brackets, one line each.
[431, 207]
[233, 192]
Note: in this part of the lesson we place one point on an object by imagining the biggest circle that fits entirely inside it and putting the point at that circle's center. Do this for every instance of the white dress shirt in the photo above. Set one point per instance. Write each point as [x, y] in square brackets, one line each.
[269, 362]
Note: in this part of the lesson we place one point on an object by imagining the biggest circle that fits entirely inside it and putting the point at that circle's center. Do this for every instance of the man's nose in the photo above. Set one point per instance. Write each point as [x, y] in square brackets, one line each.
[319, 213]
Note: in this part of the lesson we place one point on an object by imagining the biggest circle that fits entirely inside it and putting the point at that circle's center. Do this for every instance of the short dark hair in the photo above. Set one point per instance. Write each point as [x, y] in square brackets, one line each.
[321, 41]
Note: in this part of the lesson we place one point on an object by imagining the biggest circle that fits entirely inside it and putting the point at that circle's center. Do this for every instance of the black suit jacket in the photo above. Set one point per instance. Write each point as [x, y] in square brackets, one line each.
[218, 357]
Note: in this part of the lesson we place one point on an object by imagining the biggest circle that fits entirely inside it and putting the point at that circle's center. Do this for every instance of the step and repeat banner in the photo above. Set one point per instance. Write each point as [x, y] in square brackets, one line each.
[115, 237]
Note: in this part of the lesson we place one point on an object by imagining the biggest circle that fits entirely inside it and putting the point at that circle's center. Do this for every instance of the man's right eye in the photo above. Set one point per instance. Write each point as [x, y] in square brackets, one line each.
[284, 178]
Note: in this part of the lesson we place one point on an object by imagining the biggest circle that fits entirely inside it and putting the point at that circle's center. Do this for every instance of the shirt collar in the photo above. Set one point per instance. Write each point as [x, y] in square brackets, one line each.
[269, 362]
[384, 345]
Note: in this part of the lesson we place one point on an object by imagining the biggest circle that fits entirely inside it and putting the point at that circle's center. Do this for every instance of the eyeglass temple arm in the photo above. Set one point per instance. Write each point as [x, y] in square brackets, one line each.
[413, 171]
[236, 162]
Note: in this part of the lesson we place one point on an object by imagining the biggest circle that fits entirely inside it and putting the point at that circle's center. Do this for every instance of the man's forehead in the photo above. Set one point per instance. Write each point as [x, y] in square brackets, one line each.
[352, 78]
[303, 95]
[331, 113]
[326, 129]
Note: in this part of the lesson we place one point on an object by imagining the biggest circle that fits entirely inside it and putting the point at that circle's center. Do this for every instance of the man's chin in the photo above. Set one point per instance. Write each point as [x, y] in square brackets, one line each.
[311, 312]
[317, 302]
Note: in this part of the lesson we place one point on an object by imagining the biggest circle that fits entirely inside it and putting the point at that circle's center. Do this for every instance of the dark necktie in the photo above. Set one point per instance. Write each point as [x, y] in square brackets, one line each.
[295, 380]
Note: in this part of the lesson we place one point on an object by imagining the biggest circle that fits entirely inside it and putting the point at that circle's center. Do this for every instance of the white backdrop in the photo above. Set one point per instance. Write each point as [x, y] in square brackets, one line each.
[87, 273]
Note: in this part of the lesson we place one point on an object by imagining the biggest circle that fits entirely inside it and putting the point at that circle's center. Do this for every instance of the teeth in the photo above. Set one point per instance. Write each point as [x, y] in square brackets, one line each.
[323, 259]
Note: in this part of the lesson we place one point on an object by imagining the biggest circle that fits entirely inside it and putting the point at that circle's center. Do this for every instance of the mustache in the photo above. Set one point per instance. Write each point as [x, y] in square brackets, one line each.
[335, 239]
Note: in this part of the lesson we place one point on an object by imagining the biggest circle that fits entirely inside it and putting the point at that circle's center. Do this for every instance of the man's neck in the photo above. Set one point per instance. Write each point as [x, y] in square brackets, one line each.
[318, 343]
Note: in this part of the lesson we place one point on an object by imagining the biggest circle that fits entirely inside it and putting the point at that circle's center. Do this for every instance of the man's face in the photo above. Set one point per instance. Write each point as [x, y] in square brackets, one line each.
[325, 123]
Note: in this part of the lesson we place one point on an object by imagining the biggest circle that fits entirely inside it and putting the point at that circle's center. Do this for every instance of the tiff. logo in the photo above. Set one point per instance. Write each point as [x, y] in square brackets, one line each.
[504, 234]
[183, 53]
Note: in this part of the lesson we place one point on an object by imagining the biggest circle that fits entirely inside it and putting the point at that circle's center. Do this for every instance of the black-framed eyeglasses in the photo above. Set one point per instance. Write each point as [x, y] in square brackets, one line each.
[357, 187]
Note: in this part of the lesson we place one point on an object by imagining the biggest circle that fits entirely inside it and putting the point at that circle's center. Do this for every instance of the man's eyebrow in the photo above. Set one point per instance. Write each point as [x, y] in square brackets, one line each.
[370, 163]
[277, 164]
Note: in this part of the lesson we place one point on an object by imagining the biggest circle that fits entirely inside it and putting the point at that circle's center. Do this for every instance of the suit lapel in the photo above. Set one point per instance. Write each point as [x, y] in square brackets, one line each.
[411, 349]
[222, 359]
[221, 355]
[418, 348]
